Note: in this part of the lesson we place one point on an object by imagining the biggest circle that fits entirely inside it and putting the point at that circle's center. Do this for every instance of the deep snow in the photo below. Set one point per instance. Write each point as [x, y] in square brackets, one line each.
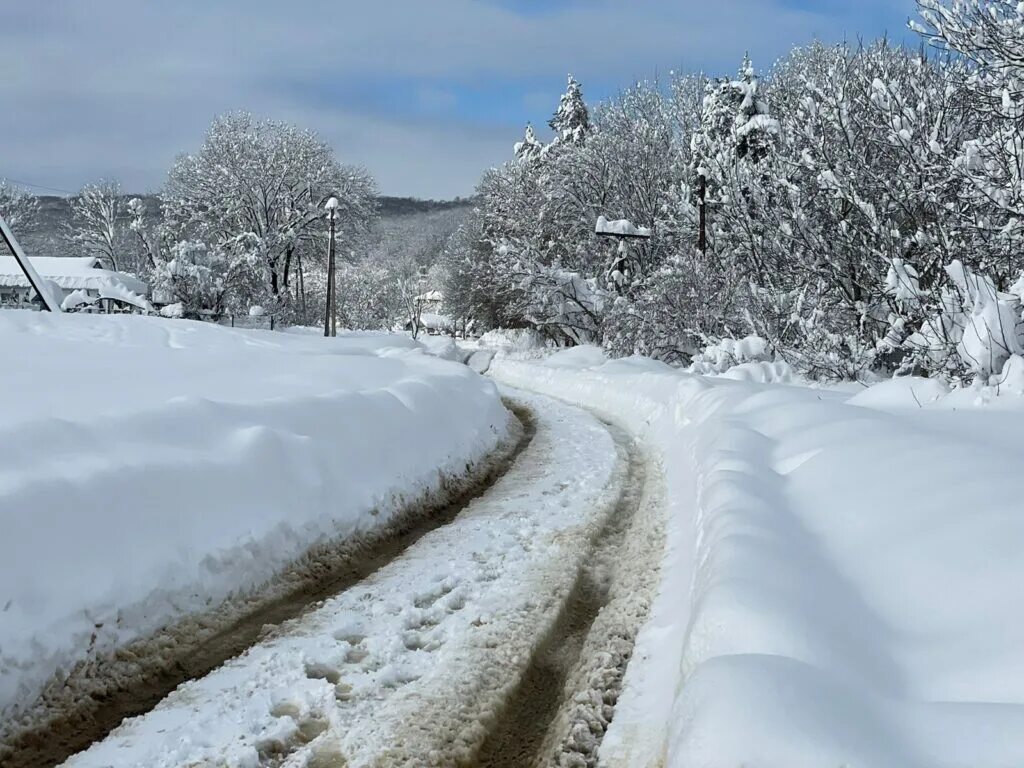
[151, 468]
[411, 666]
[842, 578]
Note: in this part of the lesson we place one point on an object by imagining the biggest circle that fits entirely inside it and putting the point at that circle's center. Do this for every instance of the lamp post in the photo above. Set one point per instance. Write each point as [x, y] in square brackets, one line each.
[330, 317]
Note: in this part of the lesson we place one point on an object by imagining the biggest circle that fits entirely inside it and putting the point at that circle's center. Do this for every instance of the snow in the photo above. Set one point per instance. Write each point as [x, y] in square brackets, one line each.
[620, 228]
[759, 123]
[431, 297]
[116, 289]
[435, 322]
[727, 353]
[583, 356]
[71, 273]
[513, 338]
[76, 299]
[414, 661]
[842, 576]
[905, 392]
[480, 360]
[149, 468]
[443, 347]
[175, 311]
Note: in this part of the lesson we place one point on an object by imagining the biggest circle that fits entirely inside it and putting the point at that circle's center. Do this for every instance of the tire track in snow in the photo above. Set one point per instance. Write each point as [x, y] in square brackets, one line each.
[414, 665]
[566, 699]
[101, 693]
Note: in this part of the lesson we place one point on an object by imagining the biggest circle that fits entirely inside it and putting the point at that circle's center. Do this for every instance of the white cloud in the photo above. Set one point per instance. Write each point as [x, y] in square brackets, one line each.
[120, 87]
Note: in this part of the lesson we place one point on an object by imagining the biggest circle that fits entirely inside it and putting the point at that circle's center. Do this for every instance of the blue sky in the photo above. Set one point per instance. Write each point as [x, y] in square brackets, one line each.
[424, 93]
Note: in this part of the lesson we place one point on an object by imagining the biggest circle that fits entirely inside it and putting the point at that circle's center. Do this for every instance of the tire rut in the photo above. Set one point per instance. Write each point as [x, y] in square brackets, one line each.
[85, 709]
[566, 698]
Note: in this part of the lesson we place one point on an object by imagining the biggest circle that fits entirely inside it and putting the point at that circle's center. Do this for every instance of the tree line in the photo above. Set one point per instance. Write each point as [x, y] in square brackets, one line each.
[863, 209]
[241, 223]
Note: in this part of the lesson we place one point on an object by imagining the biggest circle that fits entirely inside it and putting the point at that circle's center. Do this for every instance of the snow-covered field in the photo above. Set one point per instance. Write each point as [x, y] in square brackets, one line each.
[842, 581]
[151, 468]
[411, 666]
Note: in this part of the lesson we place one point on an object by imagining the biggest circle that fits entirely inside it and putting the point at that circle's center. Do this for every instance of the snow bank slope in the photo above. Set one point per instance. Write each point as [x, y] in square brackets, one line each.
[842, 583]
[409, 667]
[150, 468]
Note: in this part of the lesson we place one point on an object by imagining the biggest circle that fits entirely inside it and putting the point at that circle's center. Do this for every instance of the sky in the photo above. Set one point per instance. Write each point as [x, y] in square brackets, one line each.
[425, 94]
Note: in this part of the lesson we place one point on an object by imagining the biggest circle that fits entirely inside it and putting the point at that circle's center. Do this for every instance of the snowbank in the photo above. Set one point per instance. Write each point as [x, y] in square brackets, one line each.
[842, 576]
[443, 347]
[583, 356]
[520, 339]
[151, 468]
[408, 667]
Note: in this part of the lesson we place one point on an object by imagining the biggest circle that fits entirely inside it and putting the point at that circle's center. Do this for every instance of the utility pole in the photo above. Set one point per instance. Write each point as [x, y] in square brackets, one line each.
[702, 192]
[330, 318]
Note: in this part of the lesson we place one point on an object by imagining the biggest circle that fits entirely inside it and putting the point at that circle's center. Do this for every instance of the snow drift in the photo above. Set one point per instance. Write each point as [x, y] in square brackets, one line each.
[150, 469]
[842, 576]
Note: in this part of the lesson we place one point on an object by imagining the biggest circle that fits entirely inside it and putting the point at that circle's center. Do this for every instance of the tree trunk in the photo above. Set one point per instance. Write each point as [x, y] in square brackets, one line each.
[287, 267]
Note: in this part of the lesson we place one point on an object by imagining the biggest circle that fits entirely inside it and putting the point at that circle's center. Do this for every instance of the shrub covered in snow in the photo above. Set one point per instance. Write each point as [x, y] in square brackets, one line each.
[862, 210]
[723, 355]
[519, 339]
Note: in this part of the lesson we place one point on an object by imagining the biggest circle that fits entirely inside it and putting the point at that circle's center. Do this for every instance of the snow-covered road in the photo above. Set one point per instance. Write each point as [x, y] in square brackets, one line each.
[420, 663]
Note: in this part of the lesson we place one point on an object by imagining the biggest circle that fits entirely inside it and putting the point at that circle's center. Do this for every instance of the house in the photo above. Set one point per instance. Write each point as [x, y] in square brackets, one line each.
[430, 301]
[81, 282]
[429, 317]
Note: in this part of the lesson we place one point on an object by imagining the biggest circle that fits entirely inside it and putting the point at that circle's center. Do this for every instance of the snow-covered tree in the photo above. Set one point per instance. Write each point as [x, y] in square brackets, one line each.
[368, 296]
[206, 281]
[571, 121]
[98, 223]
[529, 148]
[254, 194]
[145, 234]
[19, 208]
[865, 209]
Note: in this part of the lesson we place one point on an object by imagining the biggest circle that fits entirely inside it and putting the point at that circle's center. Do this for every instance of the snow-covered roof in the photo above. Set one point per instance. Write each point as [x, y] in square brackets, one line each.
[620, 228]
[431, 296]
[70, 273]
[435, 322]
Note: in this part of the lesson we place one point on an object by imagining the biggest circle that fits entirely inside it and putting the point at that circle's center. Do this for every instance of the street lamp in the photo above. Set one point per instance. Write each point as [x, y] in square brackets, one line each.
[331, 317]
[622, 230]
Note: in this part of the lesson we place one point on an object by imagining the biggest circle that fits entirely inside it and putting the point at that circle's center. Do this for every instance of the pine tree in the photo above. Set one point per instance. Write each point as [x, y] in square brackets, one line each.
[571, 123]
[735, 124]
[754, 130]
[529, 148]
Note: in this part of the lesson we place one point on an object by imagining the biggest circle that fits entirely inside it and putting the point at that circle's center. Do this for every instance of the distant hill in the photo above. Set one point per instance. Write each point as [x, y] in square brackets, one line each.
[403, 206]
[55, 215]
[55, 211]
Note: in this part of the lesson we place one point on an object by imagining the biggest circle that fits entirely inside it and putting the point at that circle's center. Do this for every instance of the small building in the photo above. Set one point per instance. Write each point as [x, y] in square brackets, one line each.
[81, 281]
[430, 301]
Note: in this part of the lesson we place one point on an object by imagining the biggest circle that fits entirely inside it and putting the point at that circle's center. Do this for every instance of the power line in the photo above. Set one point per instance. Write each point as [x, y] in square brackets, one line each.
[38, 186]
